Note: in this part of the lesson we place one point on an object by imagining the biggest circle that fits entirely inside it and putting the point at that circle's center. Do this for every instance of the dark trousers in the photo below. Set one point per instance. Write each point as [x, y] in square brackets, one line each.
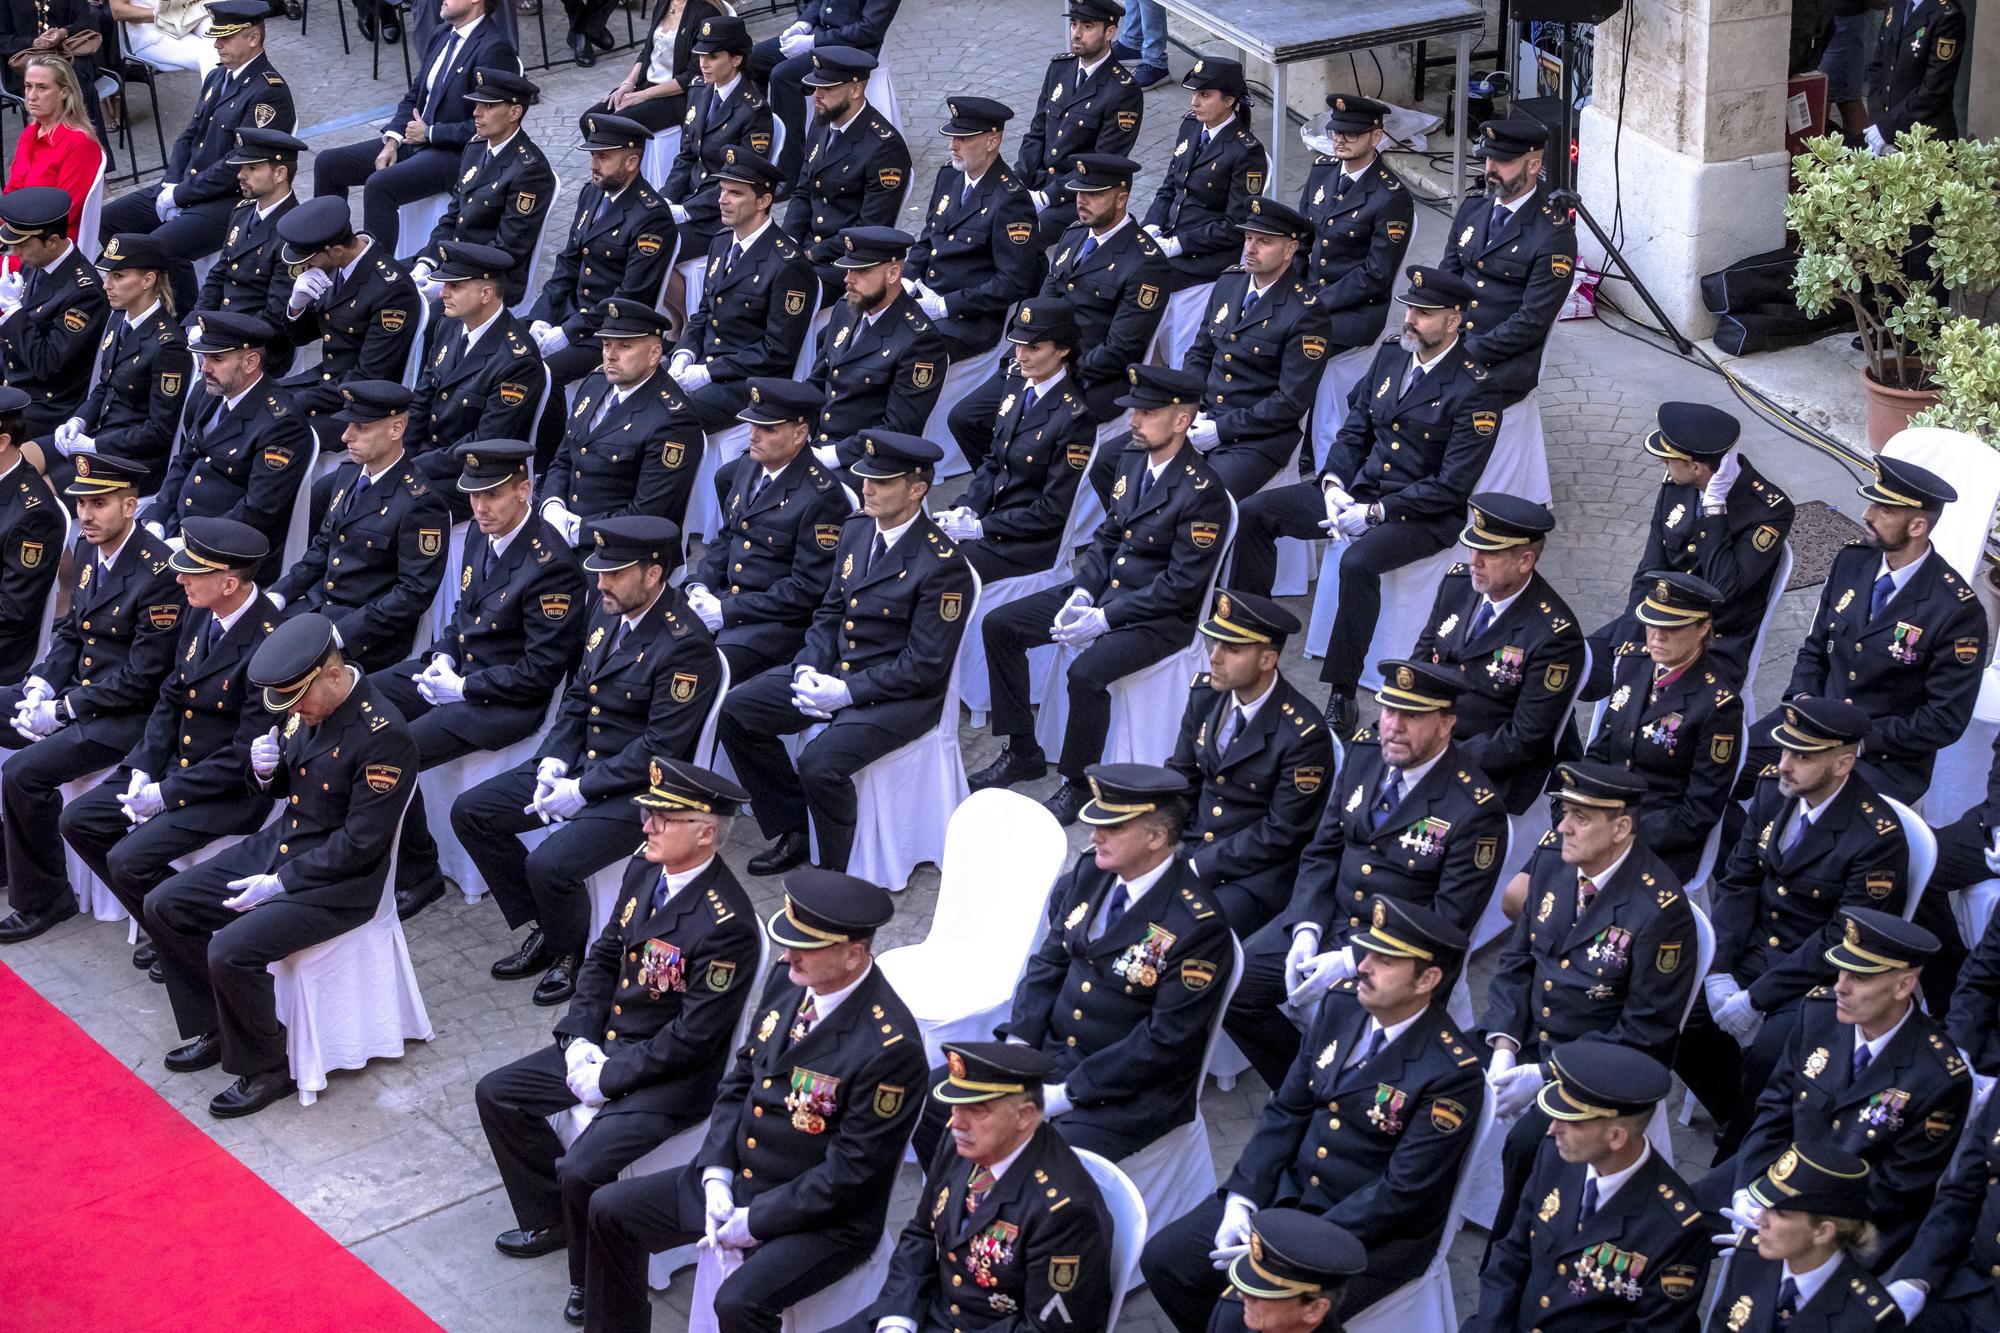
[1247, 907]
[1195, 1296]
[631, 1219]
[197, 231]
[415, 173]
[1386, 547]
[588, 16]
[215, 957]
[1291, 511]
[783, 79]
[760, 711]
[973, 417]
[1962, 1314]
[547, 1184]
[132, 862]
[31, 808]
[746, 661]
[1266, 1036]
[1004, 559]
[1245, 467]
[1019, 626]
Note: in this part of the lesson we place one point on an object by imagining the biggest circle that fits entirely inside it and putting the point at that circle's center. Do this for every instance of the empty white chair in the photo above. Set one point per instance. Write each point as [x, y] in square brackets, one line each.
[1756, 656]
[415, 221]
[1129, 1227]
[527, 301]
[816, 1313]
[1182, 321]
[881, 94]
[298, 528]
[1923, 855]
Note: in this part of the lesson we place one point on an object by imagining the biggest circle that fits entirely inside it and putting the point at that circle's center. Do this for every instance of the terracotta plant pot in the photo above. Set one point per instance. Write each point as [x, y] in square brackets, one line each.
[1890, 410]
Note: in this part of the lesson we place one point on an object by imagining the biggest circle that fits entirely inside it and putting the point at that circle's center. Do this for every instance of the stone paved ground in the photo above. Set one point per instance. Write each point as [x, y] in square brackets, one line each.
[391, 1160]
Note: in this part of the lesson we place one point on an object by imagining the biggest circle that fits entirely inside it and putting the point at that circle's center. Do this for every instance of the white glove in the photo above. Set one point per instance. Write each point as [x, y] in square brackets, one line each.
[1352, 521]
[1152, 229]
[1716, 493]
[180, 543]
[1055, 1099]
[1085, 628]
[1993, 854]
[429, 286]
[965, 526]
[80, 444]
[680, 214]
[583, 1082]
[1041, 198]
[1716, 988]
[692, 378]
[735, 1233]
[794, 43]
[420, 272]
[441, 686]
[1232, 1238]
[1876, 143]
[276, 599]
[562, 520]
[139, 779]
[35, 721]
[264, 755]
[719, 1203]
[1513, 1090]
[565, 799]
[154, 526]
[1503, 1060]
[827, 455]
[706, 606]
[581, 1052]
[252, 890]
[143, 804]
[164, 206]
[1743, 1210]
[1327, 968]
[36, 689]
[11, 288]
[815, 694]
[1170, 246]
[68, 431]
[309, 286]
[1739, 1018]
[930, 302]
[1203, 435]
[1909, 1298]
[1298, 958]
[549, 338]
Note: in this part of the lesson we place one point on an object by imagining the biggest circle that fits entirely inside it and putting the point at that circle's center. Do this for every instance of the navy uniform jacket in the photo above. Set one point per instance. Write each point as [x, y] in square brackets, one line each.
[1622, 970]
[1119, 294]
[1915, 668]
[890, 631]
[752, 320]
[1903, 1117]
[1519, 675]
[256, 96]
[861, 24]
[375, 562]
[502, 200]
[452, 129]
[1255, 807]
[1039, 1241]
[342, 787]
[1777, 912]
[1025, 487]
[1102, 116]
[978, 252]
[745, 122]
[238, 463]
[1390, 1143]
[49, 341]
[249, 277]
[1440, 848]
[1546, 1272]
[108, 656]
[197, 739]
[1957, 1247]
[1853, 1300]
[1914, 72]
[1974, 1017]
[1360, 235]
[1151, 557]
[31, 541]
[1418, 454]
[1262, 369]
[660, 992]
[145, 373]
[366, 325]
[650, 697]
[772, 560]
[627, 463]
[1520, 279]
[811, 1132]
[1203, 190]
[882, 374]
[851, 178]
[1680, 735]
[623, 253]
[488, 393]
[1127, 1018]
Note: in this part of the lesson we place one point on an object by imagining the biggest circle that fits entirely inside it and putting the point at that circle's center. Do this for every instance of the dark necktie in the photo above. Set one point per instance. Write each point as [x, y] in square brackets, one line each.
[758, 487]
[1250, 299]
[1496, 222]
[1885, 588]
[1232, 727]
[618, 638]
[876, 550]
[1862, 1059]
[965, 195]
[714, 108]
[1410, 377]
[1586, 893]
[1089, 248]
[31, 286]
[660, 892]
[1795, 834]
[808, 1015]
[1114, 909]
[1145, 482]
[1788, 1302]
[1371, 1047]
[975, 1188]
[486, 566]
[1481, 619]
[1589, 1204]
[603, 207]
[432, 96]
[603, 409]
[354, 496]
[1385, 794]
[213, 637]
[729, 262]
[1202, 147]
[1027, 398]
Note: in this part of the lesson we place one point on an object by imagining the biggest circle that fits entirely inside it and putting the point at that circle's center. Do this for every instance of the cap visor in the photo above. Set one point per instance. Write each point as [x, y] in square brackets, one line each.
[781, 929]
[280, 701]
[1094, 813]
[95, 486]
[1868, 490]
[474, 485]
[1784, 734]
[876, 470]
[955, 1094]
[1559, 1105]
[758, 416]
[1403, 702]
[857, 261]
[185, 561]
[1474, 539]
[1223, 632]
[1662, 617]
[1246, 1280]
[1657, 446]
[1422, 301]
[1844, 958]
[1369, 940]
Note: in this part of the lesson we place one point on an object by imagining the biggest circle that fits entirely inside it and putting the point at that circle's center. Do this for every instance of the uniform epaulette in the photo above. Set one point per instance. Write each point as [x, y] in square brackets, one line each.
[1147, 245]
[1244, 136]
[84, 280]
[1667, 897]
[1346, 986]
[1123, 75]
[278, 409]
[1449, 1040]
[1362, 733]
[1202, 911]
[1474, 369]
[1480, 795]
[884, 130]
[783, 245]
[518, 343]
[1549, 839]
[1458, 568]
[275, 80]
[1860, 1288]
[676, 626]
[1963, 592]
[821, 479]
[1065, 55]
[1236, 268]
[1820, 993]
[720, 908]
[1947, 1055]
[1200, 679]
[1680, 1206]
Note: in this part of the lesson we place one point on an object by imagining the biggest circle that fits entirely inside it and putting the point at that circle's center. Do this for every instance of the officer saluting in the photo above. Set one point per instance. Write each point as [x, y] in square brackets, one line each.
[1088, 104]
[353, 296]
[248, 276]
[856, 162]
[49, 328]
[1361, 216]
[880, 362]
[1804, 1267]
[977, 254]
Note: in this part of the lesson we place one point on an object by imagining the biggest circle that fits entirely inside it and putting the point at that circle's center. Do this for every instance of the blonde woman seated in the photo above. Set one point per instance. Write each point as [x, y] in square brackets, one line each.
[57, 147]
[167, 34]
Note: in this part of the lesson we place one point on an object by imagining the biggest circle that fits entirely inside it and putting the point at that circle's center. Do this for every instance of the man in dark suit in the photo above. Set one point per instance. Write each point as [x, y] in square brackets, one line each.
[31, 540]
[880, 363]
[874, 671]
[644, 1048]
[85, 704]
[767, 571]
[1089, 104]
[1416, 822]
[1498, 620]
[1216, 168]
[1946, 1282]
[505, 184]
[1517, 250]
[49, 327]
[783, 63]
[648, 676]
[1257, 754]
[805, 1137]
[1384, 1041]
[1134, 599]
[485, 681]
[1362, 218]
[857, 166]
[348, 292]
[725, 110]
[1913, 77]
[976, 256]
[247, 276]
[418, 150]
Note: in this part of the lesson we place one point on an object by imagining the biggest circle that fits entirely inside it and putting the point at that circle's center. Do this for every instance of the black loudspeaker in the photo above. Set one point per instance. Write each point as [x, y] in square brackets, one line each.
[1566, 11]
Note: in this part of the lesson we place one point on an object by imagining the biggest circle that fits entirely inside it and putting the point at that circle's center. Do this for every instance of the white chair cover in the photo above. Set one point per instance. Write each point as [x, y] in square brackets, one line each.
[1127, 1211]
[960, 379]
[298, 528]
[441, 786]
[1756, 657]
[1329, 410]
[1923, 854]
[93, 896]
[415, 221]
[1182, 321]
[658, 161]
[1704, 955]
[90, 221]
[1973, 908]
[704, 511]
[527, 301]
[821, 1311]
[54, 594]
[881, 94]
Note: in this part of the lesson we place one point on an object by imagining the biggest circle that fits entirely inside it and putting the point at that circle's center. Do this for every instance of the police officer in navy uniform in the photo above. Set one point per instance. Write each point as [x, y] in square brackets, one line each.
[248, 277]
[767, 571]
[1382, 1045]
[620, 244]
[1715, 517]
[1362, 218]
[1010, 519]
[1607, 1233]
[85, 704]
[515, 631]
[805, 1137]
[881, 362]
[977, 255]
[1006, 1204]
[1951, 1265]
[1810, 1279]
[351, 295]
[1674, 720]
[783, 64]
[1260, 349]
[505, 184]
[643, 689]
[183, 784]
[1411, 818]
[647, 1041]
[725, 109]
[1133, 599]
[1293, 1270]
[1216, 168]
[1866, 1070]
[31, 540]
[1258, 755]
[1517, 641]
[49, 335]
[1913, 76]
[1089, 104]
[341, 769]
[874, 665]
[856, 163]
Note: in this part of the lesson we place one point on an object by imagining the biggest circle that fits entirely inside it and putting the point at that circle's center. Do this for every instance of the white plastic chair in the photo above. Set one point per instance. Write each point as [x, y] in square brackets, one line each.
[1002, 854]
[1923, 847]
[413, 364]
[89, 222]
[1704, 957]
[816, 1313]
[1129, 1227]
[1750, 663]
[415, 221]
[1186, 309]
[298, 529]
[881, 94]
[527, 301]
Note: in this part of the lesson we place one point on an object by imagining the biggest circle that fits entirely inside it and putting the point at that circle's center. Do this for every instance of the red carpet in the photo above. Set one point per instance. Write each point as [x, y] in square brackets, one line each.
[121, 1214]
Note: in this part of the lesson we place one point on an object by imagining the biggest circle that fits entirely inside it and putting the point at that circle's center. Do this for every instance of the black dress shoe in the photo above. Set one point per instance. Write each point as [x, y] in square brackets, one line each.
[252, 1093]
[364, 19]
[1014, 765]
[145, 955]
[295, 10]
[579, 46]
[573, 1307]
[1340, 714]
[1067, 801]
[530, 958]
[392, 31]
[157, 973]
[602, 39]
[412, 901]
[26, 925]
[204, 1052]
[786, 853]
[527, 1244]
[558, 983]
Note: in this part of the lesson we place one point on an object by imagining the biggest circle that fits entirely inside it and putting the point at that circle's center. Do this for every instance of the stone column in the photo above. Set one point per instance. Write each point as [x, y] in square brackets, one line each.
[1701, 164]
[1982, 77]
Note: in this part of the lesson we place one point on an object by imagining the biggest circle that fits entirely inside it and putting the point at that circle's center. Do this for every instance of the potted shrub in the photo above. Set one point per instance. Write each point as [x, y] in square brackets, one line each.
[1965, 365]
[1883, 235]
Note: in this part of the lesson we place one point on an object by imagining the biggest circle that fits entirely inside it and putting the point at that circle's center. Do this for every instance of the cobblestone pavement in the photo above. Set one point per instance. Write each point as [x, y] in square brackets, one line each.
[391, 1160]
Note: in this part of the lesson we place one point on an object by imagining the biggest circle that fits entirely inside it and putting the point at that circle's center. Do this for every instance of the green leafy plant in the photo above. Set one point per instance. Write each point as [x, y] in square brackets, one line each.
[1883, 234]
[1965, 364]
